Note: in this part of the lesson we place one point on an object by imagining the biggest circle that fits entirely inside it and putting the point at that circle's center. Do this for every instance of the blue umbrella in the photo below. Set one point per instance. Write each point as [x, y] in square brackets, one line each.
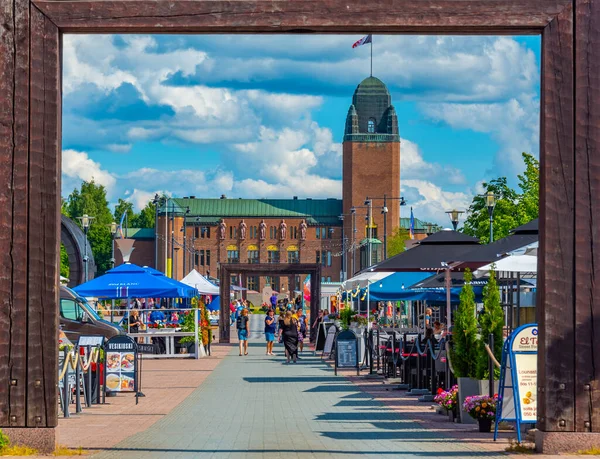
[129, 281]
[189, 292]
[214, 305]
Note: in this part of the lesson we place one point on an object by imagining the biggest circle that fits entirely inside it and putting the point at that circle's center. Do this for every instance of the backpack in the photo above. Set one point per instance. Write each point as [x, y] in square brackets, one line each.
[238, 323]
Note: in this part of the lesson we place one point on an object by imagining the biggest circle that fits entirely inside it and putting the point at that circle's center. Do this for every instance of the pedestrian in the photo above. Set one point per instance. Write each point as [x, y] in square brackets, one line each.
[273, 300]
[270, 328]
[243, 329]
[317, 323]
[302, 328]
[232, 316]
[289, 332]
[134, 321]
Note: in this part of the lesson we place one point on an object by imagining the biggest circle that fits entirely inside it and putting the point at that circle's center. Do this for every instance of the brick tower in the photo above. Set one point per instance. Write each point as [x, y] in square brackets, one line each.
[371, 163]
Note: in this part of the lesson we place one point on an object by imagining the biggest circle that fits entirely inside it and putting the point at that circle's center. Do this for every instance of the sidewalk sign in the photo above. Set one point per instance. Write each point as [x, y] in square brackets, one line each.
[322, 335]
[121, 364]
[517, 398]
[346, 351]
[329, 341]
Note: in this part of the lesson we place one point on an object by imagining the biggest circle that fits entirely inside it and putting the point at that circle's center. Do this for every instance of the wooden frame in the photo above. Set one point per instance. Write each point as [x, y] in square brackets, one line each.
[30, 114]
[264, 269]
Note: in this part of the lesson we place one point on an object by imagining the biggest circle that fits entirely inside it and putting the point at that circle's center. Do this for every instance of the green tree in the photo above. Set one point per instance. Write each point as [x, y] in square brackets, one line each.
[491, 321]
[146, 217]
[90, 199]
[64, 262]
[124, 207]
[464, 335]
[512, 209]
[396, 242]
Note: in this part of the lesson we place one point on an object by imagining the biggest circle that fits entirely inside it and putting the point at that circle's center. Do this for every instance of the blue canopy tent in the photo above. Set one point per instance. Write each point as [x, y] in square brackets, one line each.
[214, 305]
[130, 281]
[190, 292]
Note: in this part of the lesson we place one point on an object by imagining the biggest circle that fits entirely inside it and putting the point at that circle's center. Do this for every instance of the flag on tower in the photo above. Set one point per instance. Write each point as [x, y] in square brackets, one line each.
[411, 229]
[363, 41]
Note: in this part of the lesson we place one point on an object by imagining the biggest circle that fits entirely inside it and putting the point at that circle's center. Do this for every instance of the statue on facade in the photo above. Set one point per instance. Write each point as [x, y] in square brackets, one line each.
[303, 227]
[222, 227]
[263, 230]
[282, 230]
[243, 227]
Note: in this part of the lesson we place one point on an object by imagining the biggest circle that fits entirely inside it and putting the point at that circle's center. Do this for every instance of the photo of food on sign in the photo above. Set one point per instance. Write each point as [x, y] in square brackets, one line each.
[529, 398]
[127, 361]
[127, 383]
[113, 361]
[113, 382]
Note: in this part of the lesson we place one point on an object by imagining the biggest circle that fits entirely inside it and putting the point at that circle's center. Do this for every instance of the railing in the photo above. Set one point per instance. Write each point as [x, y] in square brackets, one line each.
[79, 375]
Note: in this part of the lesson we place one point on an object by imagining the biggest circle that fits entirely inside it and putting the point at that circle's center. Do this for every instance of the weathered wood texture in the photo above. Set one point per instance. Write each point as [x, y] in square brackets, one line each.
[321, 16]
[14, 156]
[556, 296]
[263, 269]
[44, 192]
[587, 215]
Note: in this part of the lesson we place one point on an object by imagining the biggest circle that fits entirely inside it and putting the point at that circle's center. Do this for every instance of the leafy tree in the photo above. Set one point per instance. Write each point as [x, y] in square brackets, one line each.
[529, 182]
[505, 218]
[464, 334]
[90, 199]
[64, 262]
[146, 217]
[124, 207]
[396, 241]
[491, 321]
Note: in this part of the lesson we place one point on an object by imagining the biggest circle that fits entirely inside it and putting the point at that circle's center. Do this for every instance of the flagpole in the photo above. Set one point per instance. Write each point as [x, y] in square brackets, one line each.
[371, 55]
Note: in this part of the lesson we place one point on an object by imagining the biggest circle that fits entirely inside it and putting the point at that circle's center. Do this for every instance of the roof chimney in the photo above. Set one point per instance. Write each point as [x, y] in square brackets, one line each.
[192, 197]
[223, 196]
[296, 197]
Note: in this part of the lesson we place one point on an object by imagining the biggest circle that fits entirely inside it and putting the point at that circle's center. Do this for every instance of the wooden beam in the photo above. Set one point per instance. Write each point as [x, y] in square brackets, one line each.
[587, 216]
[556, 297]
[289, 16]
[44, 209]
[14, 159]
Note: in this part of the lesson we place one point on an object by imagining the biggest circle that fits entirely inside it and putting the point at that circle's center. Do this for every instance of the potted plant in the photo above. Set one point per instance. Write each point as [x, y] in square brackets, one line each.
[346, 316]
[464, 353]
[448, 400]
[482, 408]
[491, 321]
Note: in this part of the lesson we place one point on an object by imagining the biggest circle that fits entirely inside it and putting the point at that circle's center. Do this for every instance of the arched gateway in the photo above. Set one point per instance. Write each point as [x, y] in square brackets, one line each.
[264, 269]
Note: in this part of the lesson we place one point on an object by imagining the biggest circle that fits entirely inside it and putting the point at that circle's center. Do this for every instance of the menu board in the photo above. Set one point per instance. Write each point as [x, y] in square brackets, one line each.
[121, 364]
[347, 353]
[526, 368]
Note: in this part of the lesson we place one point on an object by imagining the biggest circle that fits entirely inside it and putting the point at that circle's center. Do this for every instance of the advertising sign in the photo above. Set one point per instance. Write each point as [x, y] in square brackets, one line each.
[517, 398]
[331, 331]
[346, 351]
[121, 364]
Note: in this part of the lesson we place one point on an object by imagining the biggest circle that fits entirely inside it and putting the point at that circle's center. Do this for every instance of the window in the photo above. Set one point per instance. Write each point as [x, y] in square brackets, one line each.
[232, 232]
[371, 126]
[70, 310]
[328, 278]
[273, 282]
[253, 232]
[330, 232]
[253, 256]
[207, 258]
[205, 232]
[273, 232]
[252, 283]
[293, 256]
[197, 232]
[318, 232]
[196, 259]
[233, 256]
[323, 279]
[273, 256]
[293, 232]
[327, 258]
[318, 258]
[372, 234]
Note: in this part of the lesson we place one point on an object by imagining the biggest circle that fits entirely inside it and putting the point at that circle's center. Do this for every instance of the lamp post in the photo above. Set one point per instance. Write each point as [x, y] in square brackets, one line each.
[187, 211]
[176, 251]
[454, 215]
[384, 211]
[85, 220]
[156, 202]
[113, 232]
[341, 218]
[490, 200]
[353, 212]
[369, 204]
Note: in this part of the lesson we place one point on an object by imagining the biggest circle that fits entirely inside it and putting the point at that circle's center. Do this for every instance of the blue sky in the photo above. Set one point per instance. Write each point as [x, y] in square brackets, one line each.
[262, 115]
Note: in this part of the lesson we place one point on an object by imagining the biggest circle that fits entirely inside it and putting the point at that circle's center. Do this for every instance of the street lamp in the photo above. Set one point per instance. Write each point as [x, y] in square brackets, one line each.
[341, 218]
[353, 212]
[369, 205]
[113, 231]
[85, 220]
[454, 215]
[156, 202]
[187, 211]
[490, 200]
[384, 211]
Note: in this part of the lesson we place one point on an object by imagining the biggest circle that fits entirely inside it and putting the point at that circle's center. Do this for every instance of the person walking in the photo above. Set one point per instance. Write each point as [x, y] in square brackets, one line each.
[243, 329]
[270, 328]
[302, 328]
[290, 336]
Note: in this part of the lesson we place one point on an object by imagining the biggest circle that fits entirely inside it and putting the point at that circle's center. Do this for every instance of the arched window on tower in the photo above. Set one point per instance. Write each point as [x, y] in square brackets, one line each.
[371, 126]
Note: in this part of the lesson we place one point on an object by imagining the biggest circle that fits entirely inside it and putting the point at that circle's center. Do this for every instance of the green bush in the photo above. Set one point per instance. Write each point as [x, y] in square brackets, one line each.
[491, 321]
[464, 332]
[4, 441]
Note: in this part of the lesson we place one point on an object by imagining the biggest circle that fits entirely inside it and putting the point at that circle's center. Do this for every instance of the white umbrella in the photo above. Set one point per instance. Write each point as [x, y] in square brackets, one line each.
[511, 263]
[199, 282]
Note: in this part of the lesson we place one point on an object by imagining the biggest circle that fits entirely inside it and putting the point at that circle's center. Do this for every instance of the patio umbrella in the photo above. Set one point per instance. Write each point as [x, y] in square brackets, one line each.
[199, 282]
[129, 281]
[510, 264]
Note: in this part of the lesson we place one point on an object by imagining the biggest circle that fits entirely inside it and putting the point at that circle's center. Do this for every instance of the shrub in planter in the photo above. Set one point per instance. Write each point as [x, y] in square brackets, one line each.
[491, 321]
[464, 332]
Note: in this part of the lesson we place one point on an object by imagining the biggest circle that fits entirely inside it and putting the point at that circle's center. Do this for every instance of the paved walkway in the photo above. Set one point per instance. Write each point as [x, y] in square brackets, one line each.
[258, 406]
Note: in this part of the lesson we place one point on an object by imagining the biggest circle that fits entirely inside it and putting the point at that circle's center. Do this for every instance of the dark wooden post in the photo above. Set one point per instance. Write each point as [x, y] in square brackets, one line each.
[224, 314]
[315, 296]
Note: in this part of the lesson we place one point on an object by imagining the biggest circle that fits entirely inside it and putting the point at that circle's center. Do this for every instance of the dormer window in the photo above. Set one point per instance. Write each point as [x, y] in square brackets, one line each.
[371, 126]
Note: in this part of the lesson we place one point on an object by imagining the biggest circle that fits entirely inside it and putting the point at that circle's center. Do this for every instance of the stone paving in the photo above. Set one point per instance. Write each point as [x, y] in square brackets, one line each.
[258, 406]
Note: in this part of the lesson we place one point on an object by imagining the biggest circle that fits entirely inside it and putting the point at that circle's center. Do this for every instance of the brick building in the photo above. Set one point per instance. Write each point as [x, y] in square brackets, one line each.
[205, 233]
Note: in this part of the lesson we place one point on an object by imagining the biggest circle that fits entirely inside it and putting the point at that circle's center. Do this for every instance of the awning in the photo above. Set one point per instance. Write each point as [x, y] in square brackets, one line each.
[190, 292]
[364, 279]
[511, 264]
[199, 282]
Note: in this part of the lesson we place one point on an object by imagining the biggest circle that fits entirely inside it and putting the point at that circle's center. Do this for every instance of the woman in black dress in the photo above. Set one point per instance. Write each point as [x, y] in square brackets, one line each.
[289, 332]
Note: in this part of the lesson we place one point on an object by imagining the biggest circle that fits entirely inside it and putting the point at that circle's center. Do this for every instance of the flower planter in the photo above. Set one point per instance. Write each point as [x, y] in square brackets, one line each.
[484, 385]
[452, 416]
[467, 387]
[485, 425]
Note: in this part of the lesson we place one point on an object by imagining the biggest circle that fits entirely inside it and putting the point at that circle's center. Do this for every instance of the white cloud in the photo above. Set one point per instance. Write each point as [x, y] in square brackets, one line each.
[430, 202]
[77, 166]
[413, 166]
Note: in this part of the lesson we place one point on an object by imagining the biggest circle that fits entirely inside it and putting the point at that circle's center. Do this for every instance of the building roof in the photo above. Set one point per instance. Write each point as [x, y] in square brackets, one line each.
[372, 86]
[420, 225]
[315, 211]
[139, 233]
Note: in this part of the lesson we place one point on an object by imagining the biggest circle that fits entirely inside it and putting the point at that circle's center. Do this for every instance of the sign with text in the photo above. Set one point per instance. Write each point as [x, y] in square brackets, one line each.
[329, 340]
[346, 350]
[121, 364]
[517, 399]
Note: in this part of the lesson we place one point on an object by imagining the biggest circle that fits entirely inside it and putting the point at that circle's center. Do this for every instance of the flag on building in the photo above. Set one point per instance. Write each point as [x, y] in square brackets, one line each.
[411, 229]
[363, 41]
